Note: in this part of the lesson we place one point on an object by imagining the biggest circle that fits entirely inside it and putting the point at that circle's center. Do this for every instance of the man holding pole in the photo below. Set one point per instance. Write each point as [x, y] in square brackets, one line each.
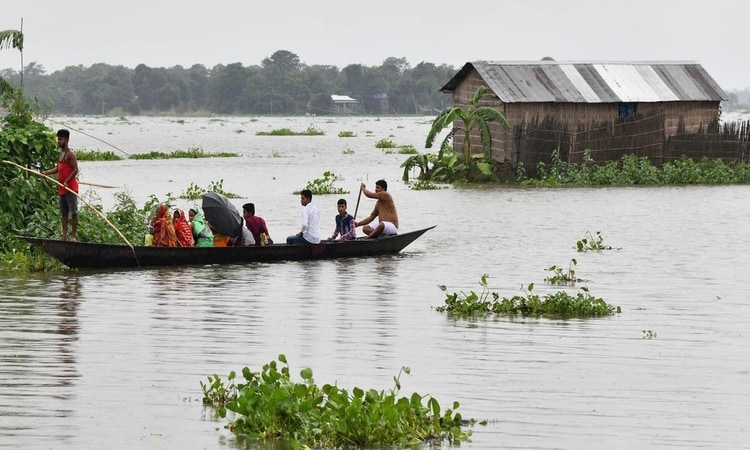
[385, 211]
[67, 173]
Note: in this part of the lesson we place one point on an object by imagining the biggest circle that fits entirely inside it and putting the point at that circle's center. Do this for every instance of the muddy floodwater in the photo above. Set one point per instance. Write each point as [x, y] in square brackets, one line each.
[113, 358]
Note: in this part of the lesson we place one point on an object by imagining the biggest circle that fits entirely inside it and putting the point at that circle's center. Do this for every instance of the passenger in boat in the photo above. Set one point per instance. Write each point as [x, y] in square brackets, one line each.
[244, 239]
[385, 211]
[182, 229]
[344, 224]
[220, 240]
[202, 234]
[67, 173]
[310, 232]
[256, 225]
[162, 228]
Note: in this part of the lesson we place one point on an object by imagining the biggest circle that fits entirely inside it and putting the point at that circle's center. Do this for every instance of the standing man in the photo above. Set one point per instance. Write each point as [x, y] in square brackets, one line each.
[67, 173]
[310, 232]
[385, 211]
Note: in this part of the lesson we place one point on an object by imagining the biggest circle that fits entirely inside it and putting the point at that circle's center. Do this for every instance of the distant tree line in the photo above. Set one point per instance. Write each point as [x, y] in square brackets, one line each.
[281, 85]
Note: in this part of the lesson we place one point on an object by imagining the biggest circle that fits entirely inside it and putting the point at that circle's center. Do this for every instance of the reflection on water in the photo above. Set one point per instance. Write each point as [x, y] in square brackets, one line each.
[87, 356]
[38, 360]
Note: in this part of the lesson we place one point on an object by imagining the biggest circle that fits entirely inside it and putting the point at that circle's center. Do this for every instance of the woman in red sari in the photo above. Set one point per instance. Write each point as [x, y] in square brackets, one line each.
[182, 229]
[162, 228]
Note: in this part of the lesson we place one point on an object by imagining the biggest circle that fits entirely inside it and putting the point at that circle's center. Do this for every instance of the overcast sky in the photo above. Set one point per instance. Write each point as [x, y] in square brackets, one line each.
[162, 33]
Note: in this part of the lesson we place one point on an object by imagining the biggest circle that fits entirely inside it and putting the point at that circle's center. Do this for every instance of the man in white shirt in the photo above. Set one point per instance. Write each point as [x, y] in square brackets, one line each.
[310, 232]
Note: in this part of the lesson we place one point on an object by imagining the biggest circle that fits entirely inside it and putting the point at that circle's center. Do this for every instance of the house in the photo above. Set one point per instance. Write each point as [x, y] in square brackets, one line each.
[652, 109]
[343, 104]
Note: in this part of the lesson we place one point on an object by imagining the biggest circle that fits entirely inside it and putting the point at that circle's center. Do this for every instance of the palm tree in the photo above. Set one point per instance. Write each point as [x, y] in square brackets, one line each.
[10, 39]
[473, 117]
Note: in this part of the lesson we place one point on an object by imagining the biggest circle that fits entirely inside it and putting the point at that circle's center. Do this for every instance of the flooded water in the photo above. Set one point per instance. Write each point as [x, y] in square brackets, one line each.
[113, 359]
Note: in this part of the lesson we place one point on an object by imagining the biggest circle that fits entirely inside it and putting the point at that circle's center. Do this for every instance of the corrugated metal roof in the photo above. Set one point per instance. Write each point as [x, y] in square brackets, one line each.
[342, 98]
[593, 82]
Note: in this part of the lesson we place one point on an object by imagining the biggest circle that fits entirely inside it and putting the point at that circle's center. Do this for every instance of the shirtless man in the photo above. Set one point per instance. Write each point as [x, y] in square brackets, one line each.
[385, 211]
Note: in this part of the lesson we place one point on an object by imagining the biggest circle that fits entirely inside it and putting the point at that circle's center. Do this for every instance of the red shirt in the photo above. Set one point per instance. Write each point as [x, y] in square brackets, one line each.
[64, 169]
[256, 225]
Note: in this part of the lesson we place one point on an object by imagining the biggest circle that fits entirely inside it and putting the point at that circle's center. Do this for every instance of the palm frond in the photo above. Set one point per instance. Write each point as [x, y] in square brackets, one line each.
[11, 39]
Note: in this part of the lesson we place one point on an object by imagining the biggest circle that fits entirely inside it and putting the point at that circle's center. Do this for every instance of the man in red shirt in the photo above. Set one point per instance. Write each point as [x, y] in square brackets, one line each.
[67, 176]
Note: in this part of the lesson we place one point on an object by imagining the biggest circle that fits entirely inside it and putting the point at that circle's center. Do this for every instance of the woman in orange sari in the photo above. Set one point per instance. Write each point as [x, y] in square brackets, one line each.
[182, 229]
[162, 228]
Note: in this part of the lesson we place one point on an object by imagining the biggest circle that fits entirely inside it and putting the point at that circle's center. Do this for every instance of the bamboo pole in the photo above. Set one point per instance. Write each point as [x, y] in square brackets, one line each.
[97, 185]
[76, 194]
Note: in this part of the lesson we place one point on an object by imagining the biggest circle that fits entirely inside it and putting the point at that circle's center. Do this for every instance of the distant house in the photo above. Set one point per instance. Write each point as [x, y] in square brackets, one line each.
[343, 104]
[652, 109]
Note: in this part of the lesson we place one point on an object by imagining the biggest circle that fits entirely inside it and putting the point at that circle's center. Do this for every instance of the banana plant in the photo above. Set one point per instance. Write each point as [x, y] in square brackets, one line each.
[465, 121]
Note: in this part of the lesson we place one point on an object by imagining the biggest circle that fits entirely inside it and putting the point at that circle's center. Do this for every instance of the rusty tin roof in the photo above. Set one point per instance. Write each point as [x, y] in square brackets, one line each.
[593, 82]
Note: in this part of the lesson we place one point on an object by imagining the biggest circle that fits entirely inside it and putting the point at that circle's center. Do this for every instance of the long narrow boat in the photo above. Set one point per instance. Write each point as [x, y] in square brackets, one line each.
[91, 255]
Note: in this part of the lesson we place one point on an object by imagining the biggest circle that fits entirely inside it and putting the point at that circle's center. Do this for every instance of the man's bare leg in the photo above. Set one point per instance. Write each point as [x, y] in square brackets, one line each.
[74, 228]
[376, 231]
[64, 228]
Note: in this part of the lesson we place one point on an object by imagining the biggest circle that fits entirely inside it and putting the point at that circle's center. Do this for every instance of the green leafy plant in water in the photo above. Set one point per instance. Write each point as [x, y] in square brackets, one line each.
[195, 192]
[408, 150]
[562, 276]
[385, 143]
[269, 405]
[559, 304]
[424, 185]
[325, 185]
[86, 155]
[649, 334]
[193, 153]
[347, 134]
[591, 243]
[310, 131]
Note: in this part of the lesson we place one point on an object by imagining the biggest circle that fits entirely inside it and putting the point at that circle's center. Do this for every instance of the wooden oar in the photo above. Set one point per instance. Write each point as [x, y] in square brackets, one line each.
[76, 194]
[358, 198]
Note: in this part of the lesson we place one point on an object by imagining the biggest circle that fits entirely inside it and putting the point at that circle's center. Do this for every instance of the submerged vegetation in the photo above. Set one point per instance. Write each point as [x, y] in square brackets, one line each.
[325, 185]
[559, 304]
[270, 406]
[310, 131]
[190, 153]
[634, 170]
[591, 243]
[195, 192]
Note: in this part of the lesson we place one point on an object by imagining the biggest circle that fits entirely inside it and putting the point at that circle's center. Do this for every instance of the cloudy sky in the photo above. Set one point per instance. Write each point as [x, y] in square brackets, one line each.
[159, 33]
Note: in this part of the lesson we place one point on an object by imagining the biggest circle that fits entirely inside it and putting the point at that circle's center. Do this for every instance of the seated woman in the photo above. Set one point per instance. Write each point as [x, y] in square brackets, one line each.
[162, 228]
[182, 229]
[201, 232]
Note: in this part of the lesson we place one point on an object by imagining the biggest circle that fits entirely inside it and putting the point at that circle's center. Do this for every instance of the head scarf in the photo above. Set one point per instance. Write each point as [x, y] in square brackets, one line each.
[201, 232]
[163, 229]
[183, 230]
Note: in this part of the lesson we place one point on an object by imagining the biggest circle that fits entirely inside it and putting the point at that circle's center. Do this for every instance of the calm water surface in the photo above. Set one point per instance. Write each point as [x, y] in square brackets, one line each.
[113, 359]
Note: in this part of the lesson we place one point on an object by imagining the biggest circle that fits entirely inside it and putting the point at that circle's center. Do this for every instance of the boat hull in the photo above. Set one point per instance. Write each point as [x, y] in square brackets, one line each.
[90, 255]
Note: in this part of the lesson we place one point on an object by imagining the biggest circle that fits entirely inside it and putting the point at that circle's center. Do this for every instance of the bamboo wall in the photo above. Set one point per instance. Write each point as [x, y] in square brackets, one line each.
[661, 132]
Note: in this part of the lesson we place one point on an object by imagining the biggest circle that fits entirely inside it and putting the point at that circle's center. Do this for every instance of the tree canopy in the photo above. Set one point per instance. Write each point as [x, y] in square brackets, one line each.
[282, 84]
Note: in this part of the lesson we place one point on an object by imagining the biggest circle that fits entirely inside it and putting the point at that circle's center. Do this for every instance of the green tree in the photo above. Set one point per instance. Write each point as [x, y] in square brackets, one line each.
[10, 39]
[24, 204]
[475, 117]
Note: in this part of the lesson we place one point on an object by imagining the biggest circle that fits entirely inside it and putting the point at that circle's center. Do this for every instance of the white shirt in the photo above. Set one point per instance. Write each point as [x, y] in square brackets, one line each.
[311, 224]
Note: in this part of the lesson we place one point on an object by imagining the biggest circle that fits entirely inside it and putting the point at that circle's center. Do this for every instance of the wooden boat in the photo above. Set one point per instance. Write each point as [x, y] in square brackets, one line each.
[91, 255]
